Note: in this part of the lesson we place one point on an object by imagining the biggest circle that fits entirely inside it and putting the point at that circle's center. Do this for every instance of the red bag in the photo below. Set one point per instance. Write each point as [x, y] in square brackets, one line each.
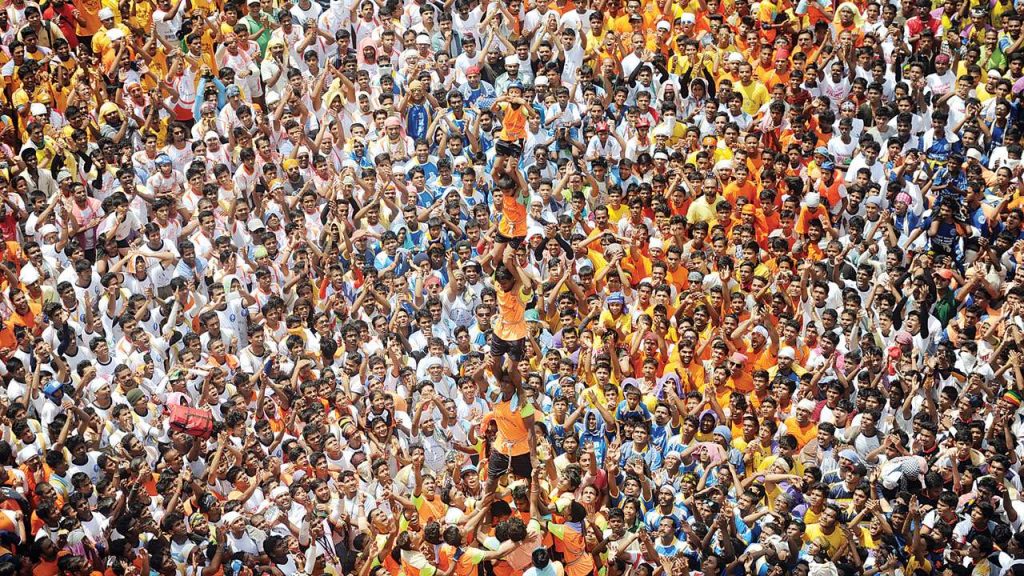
[192, 421]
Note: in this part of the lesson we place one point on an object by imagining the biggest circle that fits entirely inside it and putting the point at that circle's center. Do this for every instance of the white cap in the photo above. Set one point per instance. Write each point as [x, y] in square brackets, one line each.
[37, 109]
[974, 154]
[688, 17]
[736, 57]
[29, 274]
[48, 229]
[664, 25]
[812, 200]
[787, 352]
[27, 453]
[115, 34]
[105, 13]
[422, 39]
[806, 404]
[541, 80]
[432, 362]
[511, 59]
[656, 243]
[272, 97]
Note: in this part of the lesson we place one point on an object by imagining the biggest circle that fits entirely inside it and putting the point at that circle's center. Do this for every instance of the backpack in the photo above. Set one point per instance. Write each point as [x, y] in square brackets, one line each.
[196, 422]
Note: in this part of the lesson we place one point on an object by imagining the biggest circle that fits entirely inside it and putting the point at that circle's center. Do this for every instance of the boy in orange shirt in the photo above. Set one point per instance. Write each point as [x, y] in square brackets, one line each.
[811, 210]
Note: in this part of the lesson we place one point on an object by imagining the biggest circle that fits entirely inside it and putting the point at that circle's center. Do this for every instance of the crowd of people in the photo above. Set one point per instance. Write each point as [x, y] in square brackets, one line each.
[507, 288]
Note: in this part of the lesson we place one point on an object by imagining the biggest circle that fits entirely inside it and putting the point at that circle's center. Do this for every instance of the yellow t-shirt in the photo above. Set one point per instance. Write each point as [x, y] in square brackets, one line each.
[755, 95]
[835, 539]
[101, 41]
[143, 17]
[616, 214]
[623, 324]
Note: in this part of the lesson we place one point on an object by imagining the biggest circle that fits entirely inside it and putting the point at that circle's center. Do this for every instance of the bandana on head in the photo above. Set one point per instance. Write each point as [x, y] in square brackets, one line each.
[1013, 398]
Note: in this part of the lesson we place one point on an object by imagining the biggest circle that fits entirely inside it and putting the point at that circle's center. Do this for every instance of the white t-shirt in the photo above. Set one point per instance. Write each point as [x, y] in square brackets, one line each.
[168, 29]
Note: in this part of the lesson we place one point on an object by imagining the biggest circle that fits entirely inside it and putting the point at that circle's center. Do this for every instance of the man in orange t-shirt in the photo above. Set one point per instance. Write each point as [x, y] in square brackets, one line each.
[24, 313]
[811, 210]
[801, 426]
[513, 289]
[513, 415]
[515, 112]
[515, 442]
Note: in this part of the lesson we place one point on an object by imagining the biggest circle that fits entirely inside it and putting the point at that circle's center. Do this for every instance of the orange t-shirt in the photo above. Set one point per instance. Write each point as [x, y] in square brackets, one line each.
[803, 434]
[807, 214]
[748, 190]
[27, 320]
[429, 510]
[513, 437]
[513, 217]
[831, 192]
[513, 123]
[510, 323]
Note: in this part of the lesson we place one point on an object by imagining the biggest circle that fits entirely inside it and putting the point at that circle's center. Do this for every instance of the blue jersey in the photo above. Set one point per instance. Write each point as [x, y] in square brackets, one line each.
[417, 119]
